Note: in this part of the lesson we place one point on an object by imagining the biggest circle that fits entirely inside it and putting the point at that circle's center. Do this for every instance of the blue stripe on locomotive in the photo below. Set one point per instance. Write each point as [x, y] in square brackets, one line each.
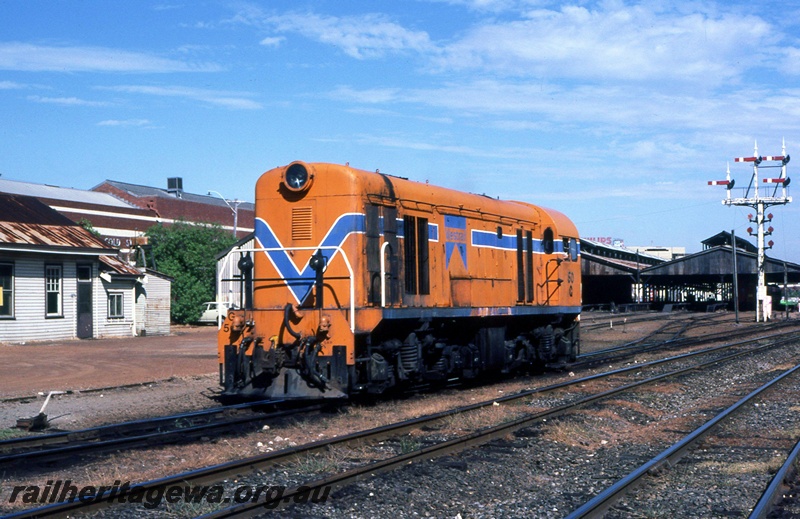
[300, 281]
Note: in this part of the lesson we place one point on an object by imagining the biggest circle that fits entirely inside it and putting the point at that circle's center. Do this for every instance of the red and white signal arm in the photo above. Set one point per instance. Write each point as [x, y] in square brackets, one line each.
[759, 159]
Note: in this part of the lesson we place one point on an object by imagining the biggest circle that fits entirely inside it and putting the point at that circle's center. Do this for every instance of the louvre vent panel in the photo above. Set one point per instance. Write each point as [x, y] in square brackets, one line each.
[302, 220]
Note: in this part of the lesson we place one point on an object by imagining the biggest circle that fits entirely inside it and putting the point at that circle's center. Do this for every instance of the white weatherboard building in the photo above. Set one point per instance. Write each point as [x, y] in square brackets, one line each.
[58, 281]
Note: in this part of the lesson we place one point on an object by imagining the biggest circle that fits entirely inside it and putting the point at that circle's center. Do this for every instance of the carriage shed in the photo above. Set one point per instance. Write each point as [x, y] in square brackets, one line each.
[609, 274]
[58, 281]
[700, 281]
[705, 280]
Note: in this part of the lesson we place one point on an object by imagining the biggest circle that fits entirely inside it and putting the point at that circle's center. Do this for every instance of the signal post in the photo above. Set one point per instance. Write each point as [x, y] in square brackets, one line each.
[759, 202]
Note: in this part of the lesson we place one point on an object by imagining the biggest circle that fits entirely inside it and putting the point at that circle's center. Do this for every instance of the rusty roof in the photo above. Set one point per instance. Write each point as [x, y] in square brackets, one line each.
[118, 266]
[27, 223]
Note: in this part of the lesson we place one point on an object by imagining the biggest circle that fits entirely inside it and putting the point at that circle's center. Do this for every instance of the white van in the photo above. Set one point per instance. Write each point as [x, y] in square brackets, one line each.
[211, 311]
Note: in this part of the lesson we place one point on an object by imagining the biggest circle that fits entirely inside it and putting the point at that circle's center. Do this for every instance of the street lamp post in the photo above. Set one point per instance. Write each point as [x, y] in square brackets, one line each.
[234, 209]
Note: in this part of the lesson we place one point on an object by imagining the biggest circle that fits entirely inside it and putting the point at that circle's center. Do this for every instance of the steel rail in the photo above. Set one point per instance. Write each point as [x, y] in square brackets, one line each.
[635, 348]
[595, 322]
[145, 439]
[634, 343]
[598, 505]
[776, 486]
[109, 430]
[592, 322]
[235, 468]
[447, 447]
[100, 431]
[695, 323]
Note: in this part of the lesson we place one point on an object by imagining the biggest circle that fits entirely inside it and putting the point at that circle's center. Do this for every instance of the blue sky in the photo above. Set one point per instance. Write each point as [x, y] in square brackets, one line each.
[615, 113]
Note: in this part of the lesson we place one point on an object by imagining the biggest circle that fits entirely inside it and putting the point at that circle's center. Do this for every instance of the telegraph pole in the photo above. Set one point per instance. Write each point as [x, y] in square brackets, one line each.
[759, 202]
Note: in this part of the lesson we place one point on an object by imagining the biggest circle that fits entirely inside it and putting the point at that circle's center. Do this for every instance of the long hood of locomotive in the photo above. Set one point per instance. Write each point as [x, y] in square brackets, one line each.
[473, 244]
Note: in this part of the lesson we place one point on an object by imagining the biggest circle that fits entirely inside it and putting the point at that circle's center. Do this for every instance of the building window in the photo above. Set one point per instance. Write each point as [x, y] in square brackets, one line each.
[6, 290]
[84, 273]
[115, 305]
[52, 277]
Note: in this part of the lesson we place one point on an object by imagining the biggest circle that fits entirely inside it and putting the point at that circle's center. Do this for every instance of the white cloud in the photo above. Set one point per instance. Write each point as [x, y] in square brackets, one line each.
[274, 41]
[66, 101]
[484, 5]
[615, 108]
[10, 85]
[360, 37]
[369, 96]
[127, 122]
[168, 7]
[631, 43]
[791, 61]
[233, 100]
[614, 41]
[406, 144]
[41, 58]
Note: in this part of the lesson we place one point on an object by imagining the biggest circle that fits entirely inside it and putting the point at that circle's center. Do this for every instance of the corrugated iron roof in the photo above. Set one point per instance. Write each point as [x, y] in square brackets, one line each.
[28, 210]
[26, 222]
[622, 250]
[120, 267]
[15, 187]
[148, 191]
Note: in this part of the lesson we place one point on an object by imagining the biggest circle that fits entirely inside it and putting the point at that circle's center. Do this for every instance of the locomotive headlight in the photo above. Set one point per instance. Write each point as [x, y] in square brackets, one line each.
[298, 177]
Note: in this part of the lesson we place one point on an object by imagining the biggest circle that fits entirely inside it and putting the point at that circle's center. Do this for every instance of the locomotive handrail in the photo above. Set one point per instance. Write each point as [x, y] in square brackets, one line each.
[286, 249]
[546, 283]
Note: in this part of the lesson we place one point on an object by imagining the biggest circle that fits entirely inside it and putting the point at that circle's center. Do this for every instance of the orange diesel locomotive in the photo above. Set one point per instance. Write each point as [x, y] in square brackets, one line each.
[359, 282]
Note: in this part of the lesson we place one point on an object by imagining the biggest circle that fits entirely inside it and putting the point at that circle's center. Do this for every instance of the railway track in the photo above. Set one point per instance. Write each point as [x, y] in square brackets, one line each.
[781, 484]
[482, 436]
[239, 469]
[608, 498]
[600, 321]
[670, 335]
[185, 427]
[181, 427]
[150, 432]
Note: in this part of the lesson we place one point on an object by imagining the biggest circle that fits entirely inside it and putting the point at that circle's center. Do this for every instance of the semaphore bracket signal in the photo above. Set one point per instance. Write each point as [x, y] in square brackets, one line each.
[760, 200]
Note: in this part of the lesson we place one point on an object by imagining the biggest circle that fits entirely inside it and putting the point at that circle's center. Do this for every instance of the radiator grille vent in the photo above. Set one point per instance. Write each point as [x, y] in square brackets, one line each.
[302, 221]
